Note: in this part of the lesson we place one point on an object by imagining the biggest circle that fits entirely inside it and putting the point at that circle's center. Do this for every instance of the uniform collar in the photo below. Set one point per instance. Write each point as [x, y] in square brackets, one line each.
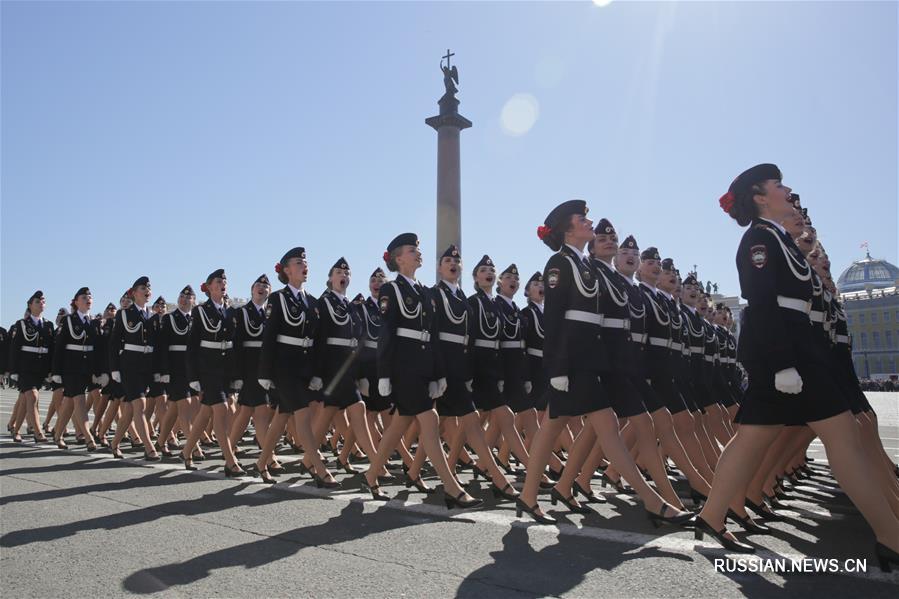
[778, 226]
[340, 296]
[538, 306]
[576, 251]
[665, 293]
[488, 295]
[83, 315]
[508, 299]
[296, 292]
[258, 307]
[412, 282]
[183, 313]
[452, 286]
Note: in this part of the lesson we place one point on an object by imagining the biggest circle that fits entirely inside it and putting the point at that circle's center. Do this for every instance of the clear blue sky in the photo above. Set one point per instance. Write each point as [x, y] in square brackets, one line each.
[173, 139]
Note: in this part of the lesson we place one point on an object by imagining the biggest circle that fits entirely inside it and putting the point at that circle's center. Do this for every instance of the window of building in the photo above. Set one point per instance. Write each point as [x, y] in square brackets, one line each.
[861, 318]
[849, 319]
[891, 365]
[875, 338]
[886, 317]
[873, 316]
[888, 338]
[864, 340]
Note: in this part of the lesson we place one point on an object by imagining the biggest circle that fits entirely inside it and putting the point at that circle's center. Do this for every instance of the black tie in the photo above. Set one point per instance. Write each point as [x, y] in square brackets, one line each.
[87, 321]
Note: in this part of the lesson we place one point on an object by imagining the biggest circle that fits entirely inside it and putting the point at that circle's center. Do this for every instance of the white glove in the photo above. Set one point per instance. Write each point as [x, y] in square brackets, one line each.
[441, 386]
[528, 387]
[362, 385]
[560, 383]
[14, 377]
[468, 385]
[116, 376]
[500, 385]
[56, 379]
[195, 385]
[165, 378]
[315, 384]
[157, 378]
[265, 384]
[103, 380]
[384, 388]
[788, 381]
[432, 390]
[237, 385]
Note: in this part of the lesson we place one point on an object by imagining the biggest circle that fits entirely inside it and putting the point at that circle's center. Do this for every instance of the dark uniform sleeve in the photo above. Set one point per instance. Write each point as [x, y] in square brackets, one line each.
[237, 316]
[59, 347]
[15, 347]
[115, 340]
[757, 263]
[270, 337]
[439, 366]
[162, 345]
[387, 339]
[193, 346]
[321, 334]
[555, 350]
[4, 351]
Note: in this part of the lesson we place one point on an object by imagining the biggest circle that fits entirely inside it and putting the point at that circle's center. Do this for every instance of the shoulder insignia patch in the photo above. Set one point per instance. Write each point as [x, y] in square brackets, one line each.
[383, 302]
[552, 278]
[758, 254]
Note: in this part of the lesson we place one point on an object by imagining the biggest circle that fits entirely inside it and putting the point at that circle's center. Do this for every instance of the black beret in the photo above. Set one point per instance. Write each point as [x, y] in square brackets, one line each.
[110, 306]
[296, 252]
[510, 270]
[668, 264]
[359, 298]
[126, 295]
[451, 252]
[188, 290]
[82, 291]
[561, 213]
[341, 263]
[756, 174]
[537, 277]
[36, 295]
[401, 240]
[629, 243]
[159, 300]
[484, 261]
[263, 278]
[216, 274]
[378, 272]
[141, 281]
[604, 227]
[650, 253]
[794, 199]
[691, 280]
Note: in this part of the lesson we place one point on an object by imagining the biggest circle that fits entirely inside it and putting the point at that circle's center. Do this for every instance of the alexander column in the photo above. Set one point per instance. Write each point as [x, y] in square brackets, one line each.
[448, 124]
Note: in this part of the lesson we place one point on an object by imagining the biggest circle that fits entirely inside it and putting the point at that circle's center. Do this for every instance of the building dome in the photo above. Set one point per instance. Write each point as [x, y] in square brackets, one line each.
[868, 273]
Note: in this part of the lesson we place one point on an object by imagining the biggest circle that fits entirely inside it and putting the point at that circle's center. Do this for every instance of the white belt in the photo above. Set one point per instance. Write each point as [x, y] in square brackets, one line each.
[677, 346]
[616, 323]
[659, 342]
[639, 337]
[80, 347]
[535, 352]
[177, 348]
[222, 345]
[696, 350]
[144, 349]
[840, 339]
[730, 360]
[34, 350]
[251, 344]
[827, 325]
[512, 344]
[709, 358]
[454, 338]
[791, 303]
[582, 316]
[423, 336]
[371, 344]
[341, 341]
[298, 341]
[816, 316]
[487, 344]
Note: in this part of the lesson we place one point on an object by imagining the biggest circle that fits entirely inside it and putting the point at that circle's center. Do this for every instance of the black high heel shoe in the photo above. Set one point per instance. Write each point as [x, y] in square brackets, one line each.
[658, 520]
[553, 474]
[234, 472]
[276, 470]
[885, 557]
[116, 452]
[418, 484]
[163, 449]
[152, 458]
[522, 507]
[266, 477]
[375, 490]
[188, 463]
[568, 502]
[39, 440]
[547, 484]
[60, 444]
[507, 492]
[763, 512]
[747, 524]
[463, 466]
[457, 502]
[507, 468]
[322, 483]
[476, 472]
[701, 528]
[591, 497]
[696, 497]
[345, 466]
[616, 484]
[772, 501]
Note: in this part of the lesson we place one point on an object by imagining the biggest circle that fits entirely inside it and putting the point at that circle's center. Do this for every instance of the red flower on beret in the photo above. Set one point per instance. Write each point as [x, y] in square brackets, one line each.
[386, 256]
[278, 268]
[543, 231]
[204, 288]
[727, 201]
[130, 293]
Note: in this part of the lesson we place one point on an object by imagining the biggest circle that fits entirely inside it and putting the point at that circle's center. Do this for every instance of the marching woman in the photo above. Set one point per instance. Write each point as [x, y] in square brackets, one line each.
[367, 360]
[253, 399]
[574, 357]
[104, 329]
[30, 355]
[532, 318]
[287, 364]
[157, 394]
[174, 335]
[788, 373]
[76, 365]
[410, 369]
[131, 360]
[716, 413]
[336, 344]
[53, 386]
[453, 322]
[210, 370]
